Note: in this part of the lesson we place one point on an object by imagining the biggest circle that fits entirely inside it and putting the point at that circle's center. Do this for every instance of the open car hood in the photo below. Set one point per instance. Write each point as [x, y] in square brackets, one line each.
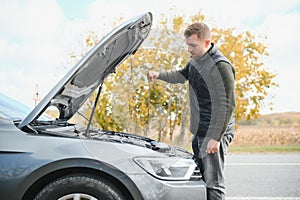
[79, 83]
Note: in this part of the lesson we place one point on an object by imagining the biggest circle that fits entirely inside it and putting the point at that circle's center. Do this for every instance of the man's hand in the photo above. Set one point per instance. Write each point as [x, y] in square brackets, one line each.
[212, 146]
[152, 75]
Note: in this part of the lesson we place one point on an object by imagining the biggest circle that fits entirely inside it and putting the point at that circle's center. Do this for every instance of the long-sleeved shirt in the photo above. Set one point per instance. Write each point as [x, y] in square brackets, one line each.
[211, 93]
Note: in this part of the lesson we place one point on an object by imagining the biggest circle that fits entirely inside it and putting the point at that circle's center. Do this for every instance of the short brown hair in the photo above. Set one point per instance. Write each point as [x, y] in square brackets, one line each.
[199, 28]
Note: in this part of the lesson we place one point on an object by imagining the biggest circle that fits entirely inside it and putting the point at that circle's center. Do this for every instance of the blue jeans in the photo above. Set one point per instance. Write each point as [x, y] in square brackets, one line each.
[212, 165]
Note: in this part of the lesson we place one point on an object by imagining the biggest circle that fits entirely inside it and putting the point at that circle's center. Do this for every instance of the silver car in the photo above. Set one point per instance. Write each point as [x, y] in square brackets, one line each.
[45, 158]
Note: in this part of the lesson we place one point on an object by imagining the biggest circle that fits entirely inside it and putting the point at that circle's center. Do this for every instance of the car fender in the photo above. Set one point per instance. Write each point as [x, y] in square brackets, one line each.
[49, 172]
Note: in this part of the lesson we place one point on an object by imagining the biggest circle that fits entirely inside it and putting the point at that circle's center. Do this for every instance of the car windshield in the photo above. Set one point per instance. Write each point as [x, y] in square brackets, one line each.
[12, 109]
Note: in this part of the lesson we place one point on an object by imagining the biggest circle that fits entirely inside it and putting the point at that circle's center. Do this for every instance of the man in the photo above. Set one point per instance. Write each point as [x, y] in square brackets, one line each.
[212, 103]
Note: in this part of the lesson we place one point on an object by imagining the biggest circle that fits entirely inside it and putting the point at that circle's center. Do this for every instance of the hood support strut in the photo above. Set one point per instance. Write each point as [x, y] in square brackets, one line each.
[87, 131]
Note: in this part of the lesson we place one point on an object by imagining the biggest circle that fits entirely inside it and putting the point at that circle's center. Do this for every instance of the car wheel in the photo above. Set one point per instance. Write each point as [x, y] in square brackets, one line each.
[80, 187]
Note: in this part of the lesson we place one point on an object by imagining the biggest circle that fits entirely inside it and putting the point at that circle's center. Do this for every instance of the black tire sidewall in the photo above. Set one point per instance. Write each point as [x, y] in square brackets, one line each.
[80, 183]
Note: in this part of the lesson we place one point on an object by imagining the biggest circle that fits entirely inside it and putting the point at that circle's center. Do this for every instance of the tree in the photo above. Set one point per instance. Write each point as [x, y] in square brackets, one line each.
[142, 108]
[253, 79]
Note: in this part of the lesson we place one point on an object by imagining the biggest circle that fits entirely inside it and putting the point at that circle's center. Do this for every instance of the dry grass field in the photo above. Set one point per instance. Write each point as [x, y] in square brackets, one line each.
[275, 132]
[267, 136]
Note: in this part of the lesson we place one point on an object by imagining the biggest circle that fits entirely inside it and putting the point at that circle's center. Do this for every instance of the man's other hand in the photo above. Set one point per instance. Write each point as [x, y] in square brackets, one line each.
[213, 146]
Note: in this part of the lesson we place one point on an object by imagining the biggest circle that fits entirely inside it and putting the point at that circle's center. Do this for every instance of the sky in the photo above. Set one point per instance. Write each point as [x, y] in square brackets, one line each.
[37, 37]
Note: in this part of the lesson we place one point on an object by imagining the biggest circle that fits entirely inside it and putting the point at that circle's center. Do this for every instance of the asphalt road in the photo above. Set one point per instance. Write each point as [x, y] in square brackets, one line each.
[263, 176]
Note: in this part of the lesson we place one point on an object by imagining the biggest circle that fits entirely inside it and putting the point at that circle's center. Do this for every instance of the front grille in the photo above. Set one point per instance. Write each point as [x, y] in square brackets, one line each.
[196, 174]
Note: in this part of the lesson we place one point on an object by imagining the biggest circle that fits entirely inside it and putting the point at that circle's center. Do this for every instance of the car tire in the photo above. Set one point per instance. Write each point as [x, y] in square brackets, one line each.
[80, 186]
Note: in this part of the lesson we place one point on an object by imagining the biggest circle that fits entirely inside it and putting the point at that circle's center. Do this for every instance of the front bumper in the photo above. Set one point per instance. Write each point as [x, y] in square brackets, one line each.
[153, 188]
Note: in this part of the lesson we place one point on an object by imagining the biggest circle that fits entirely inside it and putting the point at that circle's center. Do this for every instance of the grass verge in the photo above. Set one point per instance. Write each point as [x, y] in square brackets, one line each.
[264, 149]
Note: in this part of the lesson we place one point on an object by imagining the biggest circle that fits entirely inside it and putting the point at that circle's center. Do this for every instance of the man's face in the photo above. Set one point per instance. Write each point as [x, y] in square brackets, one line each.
[196, 47]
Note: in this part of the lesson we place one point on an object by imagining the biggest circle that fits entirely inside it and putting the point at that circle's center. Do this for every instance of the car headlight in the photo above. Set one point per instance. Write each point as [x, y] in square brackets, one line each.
[171, 168]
